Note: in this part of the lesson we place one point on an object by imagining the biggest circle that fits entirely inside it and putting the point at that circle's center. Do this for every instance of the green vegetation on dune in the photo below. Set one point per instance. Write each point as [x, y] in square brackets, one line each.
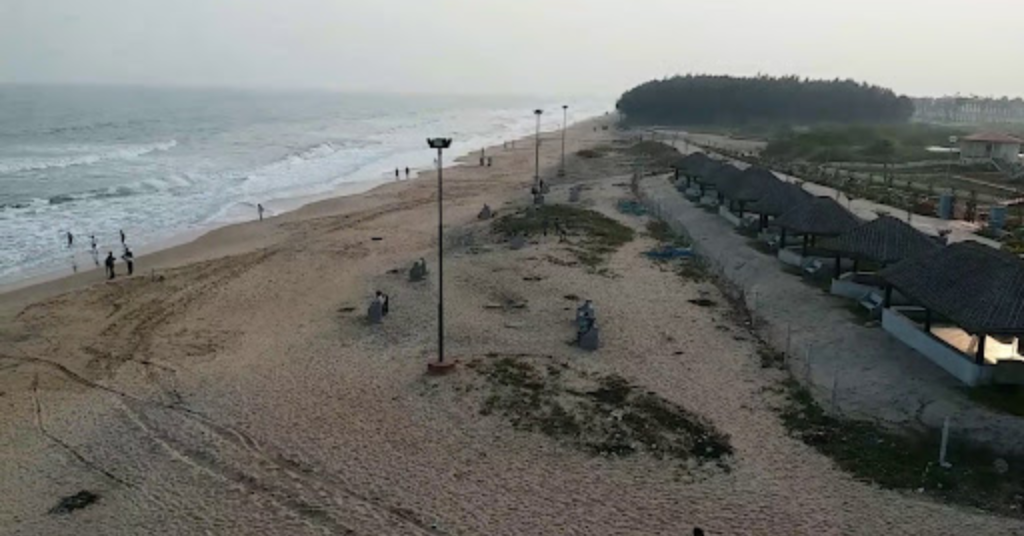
[656, 154]
[862, 143]
[976, 477]
[600, 414]
[593, 235]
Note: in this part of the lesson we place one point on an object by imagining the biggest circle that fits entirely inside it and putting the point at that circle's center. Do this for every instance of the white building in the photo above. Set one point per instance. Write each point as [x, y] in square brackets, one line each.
[987, 146]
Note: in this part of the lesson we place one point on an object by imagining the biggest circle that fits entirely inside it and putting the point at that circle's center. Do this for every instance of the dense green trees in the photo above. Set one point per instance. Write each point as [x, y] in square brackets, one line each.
[727, 100]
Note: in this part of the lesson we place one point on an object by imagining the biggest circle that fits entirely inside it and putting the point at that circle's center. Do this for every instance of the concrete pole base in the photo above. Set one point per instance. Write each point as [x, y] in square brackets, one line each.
[438, 368]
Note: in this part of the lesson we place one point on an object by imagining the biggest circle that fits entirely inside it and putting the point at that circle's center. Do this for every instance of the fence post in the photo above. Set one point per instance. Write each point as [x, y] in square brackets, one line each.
[944, 444]
[807, 365]
[835, 391]
[789, 338]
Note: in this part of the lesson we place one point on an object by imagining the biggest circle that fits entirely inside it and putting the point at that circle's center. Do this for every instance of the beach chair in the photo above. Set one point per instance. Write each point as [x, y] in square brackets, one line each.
[812, 266]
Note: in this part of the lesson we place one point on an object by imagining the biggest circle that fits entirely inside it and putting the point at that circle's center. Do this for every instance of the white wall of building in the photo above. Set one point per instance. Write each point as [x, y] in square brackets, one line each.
[972, 151]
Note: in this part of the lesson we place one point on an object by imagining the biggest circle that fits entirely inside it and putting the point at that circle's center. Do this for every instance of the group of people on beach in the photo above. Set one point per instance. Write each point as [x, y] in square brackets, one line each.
[127, 256]
[398, 173]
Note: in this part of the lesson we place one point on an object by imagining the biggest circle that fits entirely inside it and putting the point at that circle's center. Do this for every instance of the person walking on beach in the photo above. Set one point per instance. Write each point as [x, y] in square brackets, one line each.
[71, 239]
[259, 208]
[396, 174]
[110, 264]
[122, 237]
[129, 259]
[94, 251]
[406, 172]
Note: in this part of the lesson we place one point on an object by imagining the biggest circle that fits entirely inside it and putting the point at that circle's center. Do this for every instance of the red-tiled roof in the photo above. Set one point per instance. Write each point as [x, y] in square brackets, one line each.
[992, 137]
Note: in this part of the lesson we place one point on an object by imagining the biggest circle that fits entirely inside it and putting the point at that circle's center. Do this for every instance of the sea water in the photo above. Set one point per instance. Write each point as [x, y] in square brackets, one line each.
[160, 163]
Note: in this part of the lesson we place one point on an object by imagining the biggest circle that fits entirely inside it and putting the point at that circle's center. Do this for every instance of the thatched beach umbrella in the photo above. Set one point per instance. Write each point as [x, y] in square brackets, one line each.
[747, 186]
[885, 240]
[979, 288]
[821, 216]
[691, 166]
[777, 199]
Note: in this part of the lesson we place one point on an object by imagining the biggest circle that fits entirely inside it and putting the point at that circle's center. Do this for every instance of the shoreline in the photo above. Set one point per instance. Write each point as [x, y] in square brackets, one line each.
[204, 243]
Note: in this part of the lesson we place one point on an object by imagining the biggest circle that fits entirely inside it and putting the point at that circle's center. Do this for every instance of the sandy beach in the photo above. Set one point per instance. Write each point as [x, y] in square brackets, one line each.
[233, 387]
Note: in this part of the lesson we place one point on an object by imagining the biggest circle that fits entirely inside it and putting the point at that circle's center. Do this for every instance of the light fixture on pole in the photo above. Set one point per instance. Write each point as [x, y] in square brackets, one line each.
[536, 172]
[440, 366]
[565, 116]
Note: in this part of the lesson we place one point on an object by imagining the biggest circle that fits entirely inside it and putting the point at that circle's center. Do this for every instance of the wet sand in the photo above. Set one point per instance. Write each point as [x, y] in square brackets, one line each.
[240, 392]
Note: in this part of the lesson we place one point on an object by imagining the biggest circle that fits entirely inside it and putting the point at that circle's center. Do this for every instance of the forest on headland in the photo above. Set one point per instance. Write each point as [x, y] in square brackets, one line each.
[787, 100]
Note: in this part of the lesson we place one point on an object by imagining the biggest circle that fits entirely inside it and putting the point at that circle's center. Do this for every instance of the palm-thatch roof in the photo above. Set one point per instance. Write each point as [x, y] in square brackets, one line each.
[716, 172]
[979, 288]
[886, 240]
[821, 216]
[779, 198]
[748, 185]
[692, 164]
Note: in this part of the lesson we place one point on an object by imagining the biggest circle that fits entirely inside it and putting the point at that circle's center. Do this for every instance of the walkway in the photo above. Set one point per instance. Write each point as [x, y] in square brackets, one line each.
[876, 377]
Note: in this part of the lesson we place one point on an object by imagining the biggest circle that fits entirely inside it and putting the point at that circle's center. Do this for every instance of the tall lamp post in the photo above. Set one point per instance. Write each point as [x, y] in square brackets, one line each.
[565, 115]
[952, 150]
[440, 366]
[536, 172]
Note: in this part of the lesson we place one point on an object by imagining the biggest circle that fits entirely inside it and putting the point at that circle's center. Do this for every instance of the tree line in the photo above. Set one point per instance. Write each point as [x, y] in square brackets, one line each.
[728, 100]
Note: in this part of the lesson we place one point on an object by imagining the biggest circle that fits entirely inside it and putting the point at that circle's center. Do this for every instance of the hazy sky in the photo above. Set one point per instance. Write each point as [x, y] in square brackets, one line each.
[920, 47]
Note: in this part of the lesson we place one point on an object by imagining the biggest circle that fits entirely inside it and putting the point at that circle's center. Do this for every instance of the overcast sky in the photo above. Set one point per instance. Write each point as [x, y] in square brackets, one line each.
[601, 47]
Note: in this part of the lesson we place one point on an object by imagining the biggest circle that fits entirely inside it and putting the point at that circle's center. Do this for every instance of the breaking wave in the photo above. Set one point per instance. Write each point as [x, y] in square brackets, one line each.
[127, 152]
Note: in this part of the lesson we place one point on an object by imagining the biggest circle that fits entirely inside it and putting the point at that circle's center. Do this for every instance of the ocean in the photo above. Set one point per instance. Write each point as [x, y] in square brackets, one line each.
[163, 163]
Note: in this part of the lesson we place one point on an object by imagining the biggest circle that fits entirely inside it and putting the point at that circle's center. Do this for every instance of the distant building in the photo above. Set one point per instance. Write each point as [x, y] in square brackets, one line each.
[987, 146]
[969, 110]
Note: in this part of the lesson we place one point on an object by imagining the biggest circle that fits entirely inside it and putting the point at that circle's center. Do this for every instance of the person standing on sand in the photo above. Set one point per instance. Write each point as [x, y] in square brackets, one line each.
[110, 264]
[396, 174]
[122, 237]
[259, 208]
[406, 172]
[94, 251]
[71, 239]
[129, 259]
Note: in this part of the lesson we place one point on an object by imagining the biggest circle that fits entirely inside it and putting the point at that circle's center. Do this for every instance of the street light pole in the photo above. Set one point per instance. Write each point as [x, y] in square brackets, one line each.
[536, 172]
[440, 144]
[565, 115]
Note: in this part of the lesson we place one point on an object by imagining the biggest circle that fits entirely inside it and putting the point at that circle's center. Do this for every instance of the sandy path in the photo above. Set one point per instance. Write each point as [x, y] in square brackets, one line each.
[238, 396]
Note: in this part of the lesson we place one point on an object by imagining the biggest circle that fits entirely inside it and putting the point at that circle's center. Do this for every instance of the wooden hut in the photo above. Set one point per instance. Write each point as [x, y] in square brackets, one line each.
[978, 294]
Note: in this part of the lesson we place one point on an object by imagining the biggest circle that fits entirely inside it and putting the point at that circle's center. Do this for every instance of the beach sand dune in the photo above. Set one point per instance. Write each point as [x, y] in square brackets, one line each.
[238, 390]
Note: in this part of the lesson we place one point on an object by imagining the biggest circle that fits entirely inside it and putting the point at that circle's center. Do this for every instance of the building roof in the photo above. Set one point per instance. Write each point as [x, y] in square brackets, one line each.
[821, 216]
[885, 239]
[749, 185]
[992, 137]
[979, 288]
[779, 198]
